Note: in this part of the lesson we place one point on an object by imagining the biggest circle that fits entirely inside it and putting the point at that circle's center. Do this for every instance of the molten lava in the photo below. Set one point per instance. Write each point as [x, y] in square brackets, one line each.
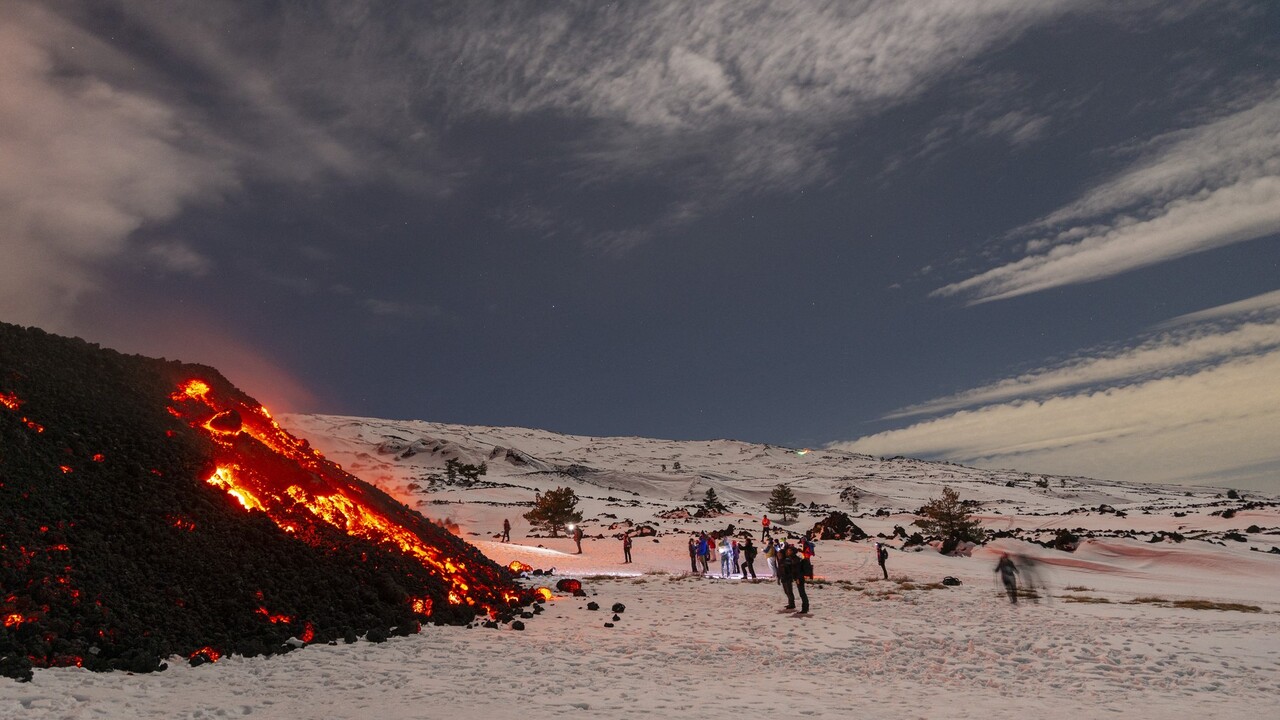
[268, 470]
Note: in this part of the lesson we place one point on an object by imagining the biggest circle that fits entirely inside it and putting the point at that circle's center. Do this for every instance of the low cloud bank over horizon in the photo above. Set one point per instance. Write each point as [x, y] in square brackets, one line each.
[1196, 403]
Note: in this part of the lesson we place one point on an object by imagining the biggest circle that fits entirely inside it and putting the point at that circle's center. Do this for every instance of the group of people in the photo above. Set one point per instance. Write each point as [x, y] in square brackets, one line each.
[790, 564]
[736, 557]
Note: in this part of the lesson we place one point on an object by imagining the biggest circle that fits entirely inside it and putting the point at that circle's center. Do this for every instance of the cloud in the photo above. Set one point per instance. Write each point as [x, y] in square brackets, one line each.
[1258, 306]
[710, 101]
[403, 311]
[83, 165]
[1192, 191]
[751, 89]
[1198, 405]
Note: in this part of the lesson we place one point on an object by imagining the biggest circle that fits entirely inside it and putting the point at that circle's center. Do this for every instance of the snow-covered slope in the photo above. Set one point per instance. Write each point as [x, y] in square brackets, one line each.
[1133, 623]
[624, 479]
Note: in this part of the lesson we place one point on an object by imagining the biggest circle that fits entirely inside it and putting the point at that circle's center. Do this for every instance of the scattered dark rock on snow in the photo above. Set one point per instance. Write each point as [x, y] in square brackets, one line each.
[517, 625]
[619, 607]
[593, 605]
[608, 624]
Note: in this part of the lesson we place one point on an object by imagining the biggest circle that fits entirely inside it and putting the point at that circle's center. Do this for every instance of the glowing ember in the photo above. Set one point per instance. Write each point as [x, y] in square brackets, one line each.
[569, 585]
[518, 567]
[209, 654]
[543, 593]
[13, 402]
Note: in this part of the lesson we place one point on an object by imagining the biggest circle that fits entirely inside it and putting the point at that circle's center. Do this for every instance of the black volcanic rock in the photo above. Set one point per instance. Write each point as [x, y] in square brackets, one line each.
[116, 552]
[837, 526]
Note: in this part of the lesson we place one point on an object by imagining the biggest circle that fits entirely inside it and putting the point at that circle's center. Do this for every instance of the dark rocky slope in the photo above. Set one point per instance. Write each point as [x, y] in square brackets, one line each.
[116, 551]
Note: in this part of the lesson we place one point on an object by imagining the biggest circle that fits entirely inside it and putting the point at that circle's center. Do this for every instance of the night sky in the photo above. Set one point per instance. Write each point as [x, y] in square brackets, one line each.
[1033, 235]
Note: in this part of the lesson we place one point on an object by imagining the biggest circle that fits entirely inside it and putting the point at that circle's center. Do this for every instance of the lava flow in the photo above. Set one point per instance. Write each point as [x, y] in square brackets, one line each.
[266, 469]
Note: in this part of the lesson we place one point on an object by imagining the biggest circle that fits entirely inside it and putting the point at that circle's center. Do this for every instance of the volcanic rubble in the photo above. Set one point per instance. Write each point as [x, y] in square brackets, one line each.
[148, 509]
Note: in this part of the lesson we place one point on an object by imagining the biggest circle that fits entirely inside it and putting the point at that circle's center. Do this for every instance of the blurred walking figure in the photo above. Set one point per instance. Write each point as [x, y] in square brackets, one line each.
[506, 530]
[882, 555]
[626, 548]
[1008, 576]
[1029, 569]
[735, 552]
[577, 539]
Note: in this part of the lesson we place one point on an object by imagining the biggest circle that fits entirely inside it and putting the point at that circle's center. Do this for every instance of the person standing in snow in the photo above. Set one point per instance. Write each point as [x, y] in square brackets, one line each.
[806, 555]
[506, 530]
[577, 538]
[793, 572]
[704, 552]
[771, 557]
[725, 559]
[626, 548]
[764, 528]
[1008, 576]
[882, 556]
[693, 554]
[735, 552]
[748, 560]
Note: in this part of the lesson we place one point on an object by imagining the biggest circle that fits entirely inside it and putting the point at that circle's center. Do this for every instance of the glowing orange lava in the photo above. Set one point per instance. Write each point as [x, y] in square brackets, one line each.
[266, 469]
[210, 654]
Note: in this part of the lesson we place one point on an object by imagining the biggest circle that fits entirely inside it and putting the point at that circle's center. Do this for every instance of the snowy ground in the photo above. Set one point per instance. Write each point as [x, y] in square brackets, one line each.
[1106, 638]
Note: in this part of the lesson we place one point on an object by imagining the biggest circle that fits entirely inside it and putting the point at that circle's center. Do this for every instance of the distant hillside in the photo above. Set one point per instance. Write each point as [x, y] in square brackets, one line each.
[642, 480]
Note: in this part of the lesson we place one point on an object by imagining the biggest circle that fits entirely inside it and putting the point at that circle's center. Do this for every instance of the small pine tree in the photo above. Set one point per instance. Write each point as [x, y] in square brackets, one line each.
[676, 466]
[466, 473]
[949, 518]
[782, 502]
[554, 510]
[711, 502]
